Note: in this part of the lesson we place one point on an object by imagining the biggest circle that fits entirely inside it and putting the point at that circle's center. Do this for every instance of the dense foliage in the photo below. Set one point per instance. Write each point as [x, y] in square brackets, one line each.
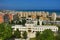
[5, 31]
[38, 23]
[17, 34]
[46, 35]
[24, 35]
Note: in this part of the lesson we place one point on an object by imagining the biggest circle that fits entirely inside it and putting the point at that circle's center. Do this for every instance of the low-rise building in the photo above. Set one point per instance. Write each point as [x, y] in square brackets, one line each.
[31, 29]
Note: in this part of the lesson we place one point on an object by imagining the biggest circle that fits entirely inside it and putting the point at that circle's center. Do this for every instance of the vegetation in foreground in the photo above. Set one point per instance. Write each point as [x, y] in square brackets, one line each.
[47, 35]
[5, 31]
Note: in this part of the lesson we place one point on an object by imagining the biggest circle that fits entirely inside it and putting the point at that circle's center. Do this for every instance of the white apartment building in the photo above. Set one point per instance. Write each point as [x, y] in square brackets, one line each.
[31, 29]
[54, 16]
[32, 25]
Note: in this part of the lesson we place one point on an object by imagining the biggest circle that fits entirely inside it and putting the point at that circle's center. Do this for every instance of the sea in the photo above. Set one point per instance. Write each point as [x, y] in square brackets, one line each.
[50, 11]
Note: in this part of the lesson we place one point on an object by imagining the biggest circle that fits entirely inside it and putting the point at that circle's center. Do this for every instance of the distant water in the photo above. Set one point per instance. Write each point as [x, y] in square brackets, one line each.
[50, 11]
[57, 12]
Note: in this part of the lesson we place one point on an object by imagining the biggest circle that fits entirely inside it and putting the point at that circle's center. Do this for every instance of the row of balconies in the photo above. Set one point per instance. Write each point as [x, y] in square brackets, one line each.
[40, 28]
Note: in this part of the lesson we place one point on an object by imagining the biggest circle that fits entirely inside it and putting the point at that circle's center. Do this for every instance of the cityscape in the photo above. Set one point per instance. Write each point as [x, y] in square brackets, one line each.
[29, 20]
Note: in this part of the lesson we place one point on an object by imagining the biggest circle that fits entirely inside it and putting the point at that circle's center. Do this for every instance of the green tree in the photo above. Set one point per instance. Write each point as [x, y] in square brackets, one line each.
[58, 36]
[48, 35]
[12, 22]
[23, 22]
[42, 23]
[20, 22]
[25, 35]
[5, 31]
[17, 34]
[17, 22]
[38, 23]
[58, 19]
[38, 35]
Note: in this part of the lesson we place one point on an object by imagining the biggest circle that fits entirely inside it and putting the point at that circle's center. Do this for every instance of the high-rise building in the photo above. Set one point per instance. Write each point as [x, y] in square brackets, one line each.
[53, 17]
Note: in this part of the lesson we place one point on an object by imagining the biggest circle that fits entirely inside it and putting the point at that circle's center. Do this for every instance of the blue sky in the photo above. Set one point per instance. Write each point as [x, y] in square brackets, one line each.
[30, 4]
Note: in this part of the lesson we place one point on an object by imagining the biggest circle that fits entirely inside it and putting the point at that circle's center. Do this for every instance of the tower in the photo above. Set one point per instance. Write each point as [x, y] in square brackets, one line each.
[53, 17]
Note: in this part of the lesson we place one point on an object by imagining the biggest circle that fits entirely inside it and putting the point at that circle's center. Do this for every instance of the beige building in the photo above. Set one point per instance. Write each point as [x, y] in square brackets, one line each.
[33, 14]
[53, 17]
